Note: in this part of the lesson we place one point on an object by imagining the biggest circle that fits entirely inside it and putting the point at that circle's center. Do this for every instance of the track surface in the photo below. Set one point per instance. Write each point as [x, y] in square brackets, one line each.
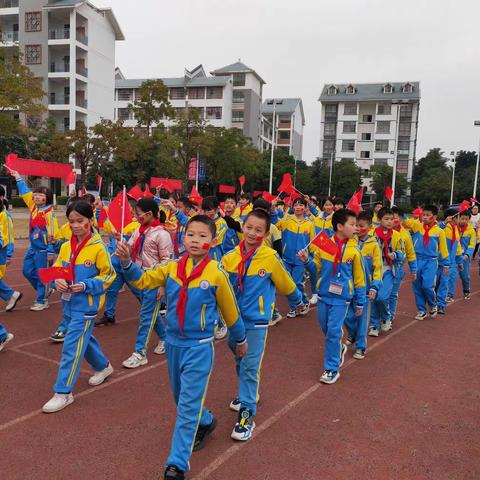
[410, 410]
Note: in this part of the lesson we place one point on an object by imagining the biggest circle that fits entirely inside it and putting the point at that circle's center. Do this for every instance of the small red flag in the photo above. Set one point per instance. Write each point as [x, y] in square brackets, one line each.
[51, 274]
[473, 200]
[325, 243]
[465, 205]
[99, 183]
[102, 218]
[353, 204]
[287, 184]
[268, 197]
[360, 195]
[388, 193]
[135, 192]
[226, 189]
[147, 193]
[83, 191]
[294, 195]
[195, 196]
[417, 212]
[257, 193]
[166, 183]
[72, 178]
[242, 181]
[115, 212]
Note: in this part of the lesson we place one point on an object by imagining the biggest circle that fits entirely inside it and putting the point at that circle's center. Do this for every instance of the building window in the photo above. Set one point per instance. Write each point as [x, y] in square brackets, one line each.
[350, 109]
[387, 88]
[402, 166]
[215, 92]
[328, 147]
[349, 127]
[408, 88]
[238, 79]
[348, 145]
[364, 154]
[196, 93]
[404, 145]
[383, 127]
[238, 97]
[214, 113]
[404, 129]
[332, 90]
[330, 129]
[123, 114]
[33, 54]
[33, 21]
[366, 136]
[331, 108]
[284, 134]
[380, 161]
[237, 116]
[384, 109]
[367, 118]
[350, 90]
[381, 146]
[177, 93]
[125, 94]
[406, 110]
[199, 111]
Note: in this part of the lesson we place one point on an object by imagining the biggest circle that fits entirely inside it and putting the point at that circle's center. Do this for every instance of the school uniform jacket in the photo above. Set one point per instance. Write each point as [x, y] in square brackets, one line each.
[93, 268]
[467, 241]
[396, 246]
[372, 260]
[4, 237]
[264, 273]
[240, 213]
[410, 255]
[453, 246]
[206, 295]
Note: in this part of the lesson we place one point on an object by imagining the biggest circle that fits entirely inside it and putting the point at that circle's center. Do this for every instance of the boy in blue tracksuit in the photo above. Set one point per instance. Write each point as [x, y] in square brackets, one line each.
[393, 256]
[43, 236]
[196, 288]
[357, 326]
[86, 260]
[431, 249]
[255, 271]
[342, 280]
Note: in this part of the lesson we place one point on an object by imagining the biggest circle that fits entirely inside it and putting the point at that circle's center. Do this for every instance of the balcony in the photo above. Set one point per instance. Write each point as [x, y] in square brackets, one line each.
[82, 71]
[9, 38]
[59, 99]
[284, 125]
[59, 67]
[8, 3]
[82, 102]
[283, 141]
[59, 34]
[82, 38]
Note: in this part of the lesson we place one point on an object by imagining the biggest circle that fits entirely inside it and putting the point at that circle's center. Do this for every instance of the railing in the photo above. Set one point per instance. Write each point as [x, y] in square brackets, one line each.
[284, 125]
[59, 100]
[8, 3]
[59, 34]
[9, 37]
[283, 141]
[82, 102]
[82, 38]
[82, 71]
[59, 67]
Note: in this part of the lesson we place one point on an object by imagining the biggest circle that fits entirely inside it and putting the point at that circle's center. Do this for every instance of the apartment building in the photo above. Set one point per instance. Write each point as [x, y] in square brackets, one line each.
[289, 122]
[370, 123]
[70, 45]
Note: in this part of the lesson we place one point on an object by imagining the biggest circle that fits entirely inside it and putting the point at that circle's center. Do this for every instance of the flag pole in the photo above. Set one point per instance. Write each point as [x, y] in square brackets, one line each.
[124, 198]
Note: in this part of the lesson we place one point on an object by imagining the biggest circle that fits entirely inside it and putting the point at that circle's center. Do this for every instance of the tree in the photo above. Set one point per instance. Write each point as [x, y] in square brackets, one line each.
[46, 143]
[465, 163]
[152, 105]
[346, 178]
[382, 177]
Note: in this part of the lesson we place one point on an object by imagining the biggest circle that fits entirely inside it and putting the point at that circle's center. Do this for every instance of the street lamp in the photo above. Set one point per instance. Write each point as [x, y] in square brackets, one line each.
[330, 174]
[395, 158]
[476, 123]
[273, 148]
[454, 160]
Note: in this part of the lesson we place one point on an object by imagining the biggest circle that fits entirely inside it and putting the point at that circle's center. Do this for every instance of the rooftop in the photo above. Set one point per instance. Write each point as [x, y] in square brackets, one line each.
[370, 91]
[283, 105]
[237, 67]
[175, 82]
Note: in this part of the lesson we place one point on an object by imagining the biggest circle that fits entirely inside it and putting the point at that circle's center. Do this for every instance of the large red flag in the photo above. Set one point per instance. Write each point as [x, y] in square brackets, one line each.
[325, 243]
[360, 195]
[119, 208]
[147, 193]
[51, 274]
[226, 189]
[37, 168]
[135, 192]
[72, 178]
[268, 197]
[195, 196]
[353, 204]
[166, 183]
[287, 184]
[388, 192]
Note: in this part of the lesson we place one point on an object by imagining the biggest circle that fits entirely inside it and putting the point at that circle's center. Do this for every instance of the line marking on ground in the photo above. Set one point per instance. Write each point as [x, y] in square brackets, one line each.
[45, 359]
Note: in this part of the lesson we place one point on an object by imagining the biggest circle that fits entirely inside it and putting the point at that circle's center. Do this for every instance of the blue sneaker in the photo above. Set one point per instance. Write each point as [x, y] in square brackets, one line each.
[329, 376]
[244, 427]
[235, 405]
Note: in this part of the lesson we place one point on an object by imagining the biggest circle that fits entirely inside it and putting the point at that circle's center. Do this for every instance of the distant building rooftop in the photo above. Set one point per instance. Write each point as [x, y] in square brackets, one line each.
[356, 92]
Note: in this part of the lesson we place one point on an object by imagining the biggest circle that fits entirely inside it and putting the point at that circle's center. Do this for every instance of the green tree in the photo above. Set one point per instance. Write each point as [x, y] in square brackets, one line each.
[465, 164]
[382, 177]
[346, 178]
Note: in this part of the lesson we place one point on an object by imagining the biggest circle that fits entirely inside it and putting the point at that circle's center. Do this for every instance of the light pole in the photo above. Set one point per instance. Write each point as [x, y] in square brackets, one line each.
[273, 148]
[330, 174]
[477, 124]
[454, 160]
[395, 157]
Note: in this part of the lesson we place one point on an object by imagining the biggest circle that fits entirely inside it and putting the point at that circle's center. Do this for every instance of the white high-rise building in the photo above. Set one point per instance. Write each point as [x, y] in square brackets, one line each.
[370, 123]
[70, 45]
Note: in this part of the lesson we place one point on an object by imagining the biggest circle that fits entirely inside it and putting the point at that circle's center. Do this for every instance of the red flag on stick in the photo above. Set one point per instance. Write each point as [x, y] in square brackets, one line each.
[147, 193]
[166, 183]
[241, 181]
[473, 200]
[51, 274]
[99, 183]
[418, 212]
[325, 243]
[353, 204]
[83, 191]
[195, 196]
[37, 168]
[102, 218]
[72, 178]
[287, 184]
[388, 193]
[268, 197]
[360, 195]
[119, 212]
[135, 192]
[465, 205]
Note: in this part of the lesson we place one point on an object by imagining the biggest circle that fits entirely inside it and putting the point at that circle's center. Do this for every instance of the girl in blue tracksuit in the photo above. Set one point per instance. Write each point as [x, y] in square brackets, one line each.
[43, 235]
[91, 272]
[255, 271]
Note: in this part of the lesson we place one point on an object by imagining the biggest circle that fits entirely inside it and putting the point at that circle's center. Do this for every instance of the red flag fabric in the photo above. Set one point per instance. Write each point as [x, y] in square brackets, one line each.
[102, 218]
[37, 168]
[268, 197]
[51, 274]
[388, 193]
[166, 183]
[99, 183]
[465, 205]
[360, 195]
[115, 212]
[242, 181]
[83, 191]
[353, 204]
[325, 243]
[147, 193]
[473, 200]
[294, 195]
[135, 192]
[226, 189]
[192, 169]
[286, 184]
[417, 212]
[195, 196]
[72, 178]
[257, 193]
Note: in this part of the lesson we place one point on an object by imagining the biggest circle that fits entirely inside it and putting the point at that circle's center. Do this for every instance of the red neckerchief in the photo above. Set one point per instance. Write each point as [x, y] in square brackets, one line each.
[242, 209]
[338, 255]
[243, 263]
[462, 229]
[76, 249]
[40, 219]
[170, 215]
[385, 238]
[182, 276]
[426, 235]
[398, 228]
[137, 247]
[454, 232]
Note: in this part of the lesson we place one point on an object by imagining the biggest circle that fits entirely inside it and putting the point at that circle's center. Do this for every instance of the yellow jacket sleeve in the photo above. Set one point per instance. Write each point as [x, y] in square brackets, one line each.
[226, 300]
[442, 245]
[4, 230]
[412, 224]
[148, 279]
[281, 278]
[377, 273]
[359, 278]
[409, 249]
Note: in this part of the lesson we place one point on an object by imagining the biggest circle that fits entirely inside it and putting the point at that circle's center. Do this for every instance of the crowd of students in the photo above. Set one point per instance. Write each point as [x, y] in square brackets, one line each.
[200, 271]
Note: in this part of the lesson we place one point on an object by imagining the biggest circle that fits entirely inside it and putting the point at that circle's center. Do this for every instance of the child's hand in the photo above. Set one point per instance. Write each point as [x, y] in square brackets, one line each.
[392, 256]
[242, 350]
[50, 257]
[51, 239]
[61, 285]
[460, 268]
[15, 174]
[372, 294]
[449, 219]
[413, 276]
[116, 235]
[77, 288]
[303, 256]
[221, 213]
[274, 202]
[445, 270]
[123, 252]
[160, 293]
[465, 258]
[358, 312]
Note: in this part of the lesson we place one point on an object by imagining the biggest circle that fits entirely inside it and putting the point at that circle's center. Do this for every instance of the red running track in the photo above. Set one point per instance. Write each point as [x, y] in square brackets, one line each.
[410, 410]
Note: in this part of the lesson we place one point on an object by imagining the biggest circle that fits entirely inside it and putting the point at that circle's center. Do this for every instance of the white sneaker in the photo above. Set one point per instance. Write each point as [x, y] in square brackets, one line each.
[12, 303]
[314, 299]
[373, 332]
[386, 326]
[221, 332]
[99, 377]
[8, 339]
[420, 315]
[160, 348]
[38, 307]
[58, 402]
[136, 360]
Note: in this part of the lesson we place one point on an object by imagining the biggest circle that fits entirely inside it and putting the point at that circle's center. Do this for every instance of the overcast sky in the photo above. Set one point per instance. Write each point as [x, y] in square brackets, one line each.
[298, 46]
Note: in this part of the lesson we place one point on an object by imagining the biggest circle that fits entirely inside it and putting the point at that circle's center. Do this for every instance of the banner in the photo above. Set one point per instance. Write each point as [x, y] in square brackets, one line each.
[37, 168]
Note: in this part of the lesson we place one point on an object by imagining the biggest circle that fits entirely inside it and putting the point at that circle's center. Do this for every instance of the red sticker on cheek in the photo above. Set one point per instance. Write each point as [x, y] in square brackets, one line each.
[259, 239]
[206, 246]
[86, 226]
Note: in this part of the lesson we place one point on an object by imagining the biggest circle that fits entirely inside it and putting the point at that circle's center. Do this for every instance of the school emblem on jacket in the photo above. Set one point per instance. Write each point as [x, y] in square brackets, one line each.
[87, 264]
[262, 272]
[204, 284]
[349, 261]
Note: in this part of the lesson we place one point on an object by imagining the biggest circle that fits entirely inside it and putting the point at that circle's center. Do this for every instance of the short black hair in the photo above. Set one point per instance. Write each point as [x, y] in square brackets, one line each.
[340, 217]
[339, 201]
[82, 207]
[365, 216]
[431, 208]
[163, 216]
[47, 192]
[210, 223]
[262, 214]
[384, 211]
[397, 211]
[465, 213]
[148, 205]
[246, 196]
[231, 196]
[88, 197]
[328, 199]
[300, 200]
[262, 204]
[450, 212]
[210, 203]
[378, 203]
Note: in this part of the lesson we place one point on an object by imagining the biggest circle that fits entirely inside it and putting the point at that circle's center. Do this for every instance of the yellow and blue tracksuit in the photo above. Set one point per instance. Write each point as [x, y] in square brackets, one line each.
[297, 233]
[6, 251]
[372, 260]
[380, 306]
[322, 222]
[222, 241]
[466, 248]
[336, 291]
[93, 269]
[375, 220]
[190, 352]
[240, 213]
[411, 258]
[429, 257]
[455, 259]
[39, 250]
[264, 273]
